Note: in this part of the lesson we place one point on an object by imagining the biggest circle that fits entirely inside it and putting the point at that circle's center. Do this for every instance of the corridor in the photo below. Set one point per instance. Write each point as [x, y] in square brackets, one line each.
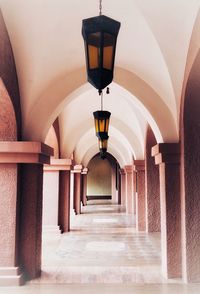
[102, 247]
[102, 253]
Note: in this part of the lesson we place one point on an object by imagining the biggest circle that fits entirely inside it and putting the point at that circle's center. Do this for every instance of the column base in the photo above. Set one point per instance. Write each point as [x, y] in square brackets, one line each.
[11, 276]
[51, 230]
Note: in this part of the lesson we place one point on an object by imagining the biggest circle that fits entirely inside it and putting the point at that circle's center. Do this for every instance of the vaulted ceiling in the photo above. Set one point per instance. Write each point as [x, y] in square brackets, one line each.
[157, 44]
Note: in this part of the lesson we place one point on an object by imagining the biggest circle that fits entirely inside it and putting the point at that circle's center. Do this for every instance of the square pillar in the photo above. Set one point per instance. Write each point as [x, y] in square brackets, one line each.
[113, 184]
[152, 193]
[119, 187]
[84, 186]
[139, 168]
[77, 188]
[129, 189]
[22, 222]
[134, 191]
[9, 267]
[123, 186]
[56, 196]
[56, 211]
[167, 156]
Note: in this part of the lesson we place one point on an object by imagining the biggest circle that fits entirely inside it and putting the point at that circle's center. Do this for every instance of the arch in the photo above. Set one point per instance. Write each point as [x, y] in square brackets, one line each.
[161, 119]
[52, 140]
[73, 125]
[8, 123]
[8, 76]
[93, 149]
[89, 139]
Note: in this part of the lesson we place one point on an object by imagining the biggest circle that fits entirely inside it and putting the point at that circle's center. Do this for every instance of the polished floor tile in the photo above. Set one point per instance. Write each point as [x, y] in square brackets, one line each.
[103, 253]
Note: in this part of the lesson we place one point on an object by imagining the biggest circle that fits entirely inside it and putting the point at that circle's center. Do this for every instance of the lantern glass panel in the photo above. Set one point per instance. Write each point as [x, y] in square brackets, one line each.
[107, 57]
[96, 125]
[109, 43]
[93, 55]
[101, 125]
[107, 125]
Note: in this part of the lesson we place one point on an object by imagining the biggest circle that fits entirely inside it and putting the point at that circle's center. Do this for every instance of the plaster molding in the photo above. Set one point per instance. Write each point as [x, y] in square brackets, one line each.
[25, 152]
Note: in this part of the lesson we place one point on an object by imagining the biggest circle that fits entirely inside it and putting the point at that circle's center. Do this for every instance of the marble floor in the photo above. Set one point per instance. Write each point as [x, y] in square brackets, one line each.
[103, 253]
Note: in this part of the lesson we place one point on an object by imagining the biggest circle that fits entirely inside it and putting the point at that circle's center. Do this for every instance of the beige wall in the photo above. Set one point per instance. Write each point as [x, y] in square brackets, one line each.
[99, 177]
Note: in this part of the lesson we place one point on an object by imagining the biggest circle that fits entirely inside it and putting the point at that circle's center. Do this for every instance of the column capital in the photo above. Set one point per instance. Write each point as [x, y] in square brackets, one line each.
[84, 171]
[77, 169]
[139, 165]
[128, 169]
[57, 164]
[25, 152]
[122, 171]
[166, 153]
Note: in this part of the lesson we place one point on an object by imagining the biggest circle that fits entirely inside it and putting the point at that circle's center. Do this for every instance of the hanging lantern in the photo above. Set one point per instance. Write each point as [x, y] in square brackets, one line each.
[103, 144]
[101, 121]
[100, 36]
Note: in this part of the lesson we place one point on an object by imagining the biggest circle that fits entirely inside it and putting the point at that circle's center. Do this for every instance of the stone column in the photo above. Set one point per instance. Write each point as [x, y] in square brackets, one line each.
[123, 186]
[55, 210]
[63, 205]
[20, 233]
[129, 189]
[168, 158]
[152, 192]
[134, 191]
[84, 188]
[119, 188]
[77, 188]
[139, 167]
[113, 184]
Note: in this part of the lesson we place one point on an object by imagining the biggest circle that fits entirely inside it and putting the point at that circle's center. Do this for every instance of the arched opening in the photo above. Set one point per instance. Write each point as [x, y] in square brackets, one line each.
[99, 185]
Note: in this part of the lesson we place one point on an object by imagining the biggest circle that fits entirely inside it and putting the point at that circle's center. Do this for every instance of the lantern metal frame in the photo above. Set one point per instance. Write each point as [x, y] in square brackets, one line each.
[99, 33]
[101, 119]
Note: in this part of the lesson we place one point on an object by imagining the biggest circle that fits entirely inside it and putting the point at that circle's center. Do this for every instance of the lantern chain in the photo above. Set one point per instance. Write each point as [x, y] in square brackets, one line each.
[100, 7]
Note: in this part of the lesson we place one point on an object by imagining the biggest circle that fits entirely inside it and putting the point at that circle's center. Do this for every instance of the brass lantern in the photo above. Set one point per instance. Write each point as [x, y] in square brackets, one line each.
[100, 36]
[101, 121]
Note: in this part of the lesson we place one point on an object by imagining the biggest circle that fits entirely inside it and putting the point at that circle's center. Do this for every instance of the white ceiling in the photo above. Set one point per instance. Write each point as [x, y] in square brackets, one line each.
[154, 45]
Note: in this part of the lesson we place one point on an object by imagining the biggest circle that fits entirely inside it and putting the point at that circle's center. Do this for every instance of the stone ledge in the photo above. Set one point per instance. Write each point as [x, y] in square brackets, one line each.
[128, 168]
[165, 148]
[166, 153]
[139, 165]
[10, 276]
[25, 152]
[57, 164]
[84, 171]
[77, 169]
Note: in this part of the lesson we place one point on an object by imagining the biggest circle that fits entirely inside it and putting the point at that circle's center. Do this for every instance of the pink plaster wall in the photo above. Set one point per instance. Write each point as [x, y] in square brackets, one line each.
[8, 127]
[190, 167]
[51, 140]
[8, 208]
[8, 183]
[8, 73]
